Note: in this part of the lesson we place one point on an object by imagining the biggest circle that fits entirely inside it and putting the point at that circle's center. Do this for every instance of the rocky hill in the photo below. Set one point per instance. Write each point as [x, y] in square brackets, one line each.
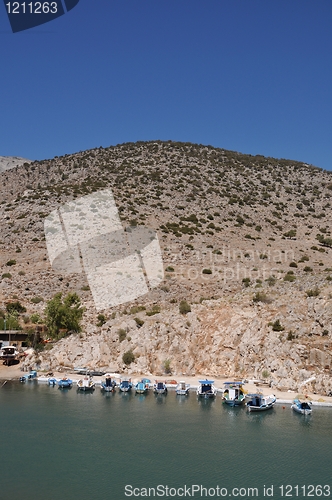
[239, 243]
[7, 162]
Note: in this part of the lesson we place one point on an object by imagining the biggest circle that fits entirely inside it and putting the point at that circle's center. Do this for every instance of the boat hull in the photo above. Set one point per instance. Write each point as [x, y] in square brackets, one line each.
[260, 408]
[234, 402]
[106, 388]
[86, 389]
[303, 408]
[261, 403]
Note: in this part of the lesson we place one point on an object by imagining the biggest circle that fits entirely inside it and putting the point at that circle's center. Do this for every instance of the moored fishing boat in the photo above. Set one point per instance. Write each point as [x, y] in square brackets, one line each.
[258, 402]
[159, 387]
[302, 407]
[182, 389]
[141, 388]
[233, 394]
[206, 389]
[65, 383]
[126, 385]
[147, 383]
[86, 384]
[109, 384]
[29, 376]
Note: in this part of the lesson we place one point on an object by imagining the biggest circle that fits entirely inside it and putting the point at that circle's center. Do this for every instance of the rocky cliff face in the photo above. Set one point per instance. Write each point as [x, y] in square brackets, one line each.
[239, 241]
[7, 162]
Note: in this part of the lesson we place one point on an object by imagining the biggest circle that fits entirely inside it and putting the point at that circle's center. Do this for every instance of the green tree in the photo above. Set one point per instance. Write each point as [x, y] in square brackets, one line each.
[63, 314]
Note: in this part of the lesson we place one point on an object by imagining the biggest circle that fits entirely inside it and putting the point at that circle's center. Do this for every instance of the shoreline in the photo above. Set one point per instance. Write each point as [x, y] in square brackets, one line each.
[11, 373]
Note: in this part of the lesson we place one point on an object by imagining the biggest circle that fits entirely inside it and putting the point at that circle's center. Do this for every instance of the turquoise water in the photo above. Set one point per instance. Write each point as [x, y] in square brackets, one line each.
[60, 444]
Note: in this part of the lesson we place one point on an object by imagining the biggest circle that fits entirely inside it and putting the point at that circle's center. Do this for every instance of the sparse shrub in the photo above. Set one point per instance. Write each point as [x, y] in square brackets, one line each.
[170, 269]
[128, 357]
[136, 309]
[325, 333]
[271, 280]
[290, 277]
[101, 319]
[290, 234]
[139, 322]
[85, 288]
[265, 373]
[36, 319]
[15, 307]
[246, 282]
[167, 366]
[307, 269]
[206, 271]
[276, 326]
[313, 292]
[155, 310]
[184, 307]
[293, 264]
[6, 275]
[290, 335]
[261, 297]
[36, 300]
[11, 262]
[122, 334]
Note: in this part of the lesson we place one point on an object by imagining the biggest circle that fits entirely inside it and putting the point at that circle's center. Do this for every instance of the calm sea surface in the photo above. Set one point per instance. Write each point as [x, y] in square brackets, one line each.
[60, 444]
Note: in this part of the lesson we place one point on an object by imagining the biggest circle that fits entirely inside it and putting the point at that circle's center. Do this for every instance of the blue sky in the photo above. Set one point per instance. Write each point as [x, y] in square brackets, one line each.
[248, 75]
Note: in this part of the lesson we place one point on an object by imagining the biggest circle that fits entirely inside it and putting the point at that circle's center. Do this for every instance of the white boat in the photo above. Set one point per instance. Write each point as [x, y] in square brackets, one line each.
[303, 407]
[233, 394]
[206, 389]
[159, 388]
[258, 402]
[182, 389]
[86, 384]
[9, 354]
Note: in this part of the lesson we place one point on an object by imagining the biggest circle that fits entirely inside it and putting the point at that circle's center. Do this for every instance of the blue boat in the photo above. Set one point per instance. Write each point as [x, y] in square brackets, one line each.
[30, 376]
[233, 394]
[126, 385]
[109, 384]
[302, 407]
[147, 382]
[206, 389]
[160, 388]
[65, 383]
[141, 388]
[52, 381]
